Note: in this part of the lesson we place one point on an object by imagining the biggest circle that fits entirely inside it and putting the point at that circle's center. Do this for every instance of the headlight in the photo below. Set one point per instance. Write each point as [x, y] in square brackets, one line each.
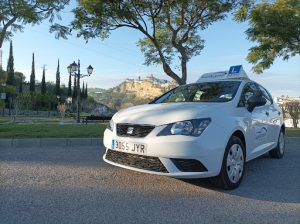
[191, 127]
[111, 125]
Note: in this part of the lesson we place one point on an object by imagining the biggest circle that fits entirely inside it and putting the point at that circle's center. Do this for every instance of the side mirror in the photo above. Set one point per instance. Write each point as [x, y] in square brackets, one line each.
[255, 101]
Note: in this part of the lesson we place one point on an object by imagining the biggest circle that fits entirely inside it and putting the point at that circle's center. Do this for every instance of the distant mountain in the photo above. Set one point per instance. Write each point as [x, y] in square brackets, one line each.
[132, 92]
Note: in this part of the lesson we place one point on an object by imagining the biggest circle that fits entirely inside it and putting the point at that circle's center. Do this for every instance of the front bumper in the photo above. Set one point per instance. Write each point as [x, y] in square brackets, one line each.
[181, 156]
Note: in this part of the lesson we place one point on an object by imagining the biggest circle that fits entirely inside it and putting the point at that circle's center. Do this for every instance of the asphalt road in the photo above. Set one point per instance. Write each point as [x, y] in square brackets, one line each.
[73, 185]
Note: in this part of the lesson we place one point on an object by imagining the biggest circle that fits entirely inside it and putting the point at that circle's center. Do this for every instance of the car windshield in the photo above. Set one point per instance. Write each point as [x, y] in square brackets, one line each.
[222, 91]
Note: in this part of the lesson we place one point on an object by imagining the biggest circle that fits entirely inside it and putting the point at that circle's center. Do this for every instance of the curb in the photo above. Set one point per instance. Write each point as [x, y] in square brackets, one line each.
[46, 142]
[73, 142]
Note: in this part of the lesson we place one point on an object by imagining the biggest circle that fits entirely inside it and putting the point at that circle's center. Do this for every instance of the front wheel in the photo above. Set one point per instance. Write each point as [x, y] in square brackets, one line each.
[233, 165]
[278, 152]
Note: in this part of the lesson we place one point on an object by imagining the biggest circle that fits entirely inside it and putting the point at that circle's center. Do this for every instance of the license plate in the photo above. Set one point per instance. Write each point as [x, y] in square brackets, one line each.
[129, 147]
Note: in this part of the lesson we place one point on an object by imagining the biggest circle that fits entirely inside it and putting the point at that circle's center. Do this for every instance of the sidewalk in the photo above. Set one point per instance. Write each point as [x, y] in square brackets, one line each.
[44, 142]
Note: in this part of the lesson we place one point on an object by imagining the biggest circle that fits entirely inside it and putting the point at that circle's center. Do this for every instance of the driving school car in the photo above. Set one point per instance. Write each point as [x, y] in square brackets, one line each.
[205, 129]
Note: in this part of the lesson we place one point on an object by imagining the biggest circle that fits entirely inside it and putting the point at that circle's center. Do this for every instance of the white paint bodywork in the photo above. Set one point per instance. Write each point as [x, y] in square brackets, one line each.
[209, 147]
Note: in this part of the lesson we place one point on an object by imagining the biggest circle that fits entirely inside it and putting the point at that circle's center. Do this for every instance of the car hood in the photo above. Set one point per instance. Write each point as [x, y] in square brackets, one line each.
[166, 113]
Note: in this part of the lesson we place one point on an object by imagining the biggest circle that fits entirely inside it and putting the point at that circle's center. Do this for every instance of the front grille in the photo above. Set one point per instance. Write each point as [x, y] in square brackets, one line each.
[138, 131]
[189, 165]
[136, 161]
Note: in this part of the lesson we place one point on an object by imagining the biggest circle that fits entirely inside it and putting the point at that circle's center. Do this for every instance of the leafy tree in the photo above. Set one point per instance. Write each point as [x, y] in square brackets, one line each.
[275, 27]
[25, 101]
[170, 27]
[293, 109]
[3, 75]
[10, 66]
[43, 85]
[32, 76]
[15, 14]
[57, 84]
[19, 76]
[70, 86]
[2, 81]
[10, 90]
[2, 104]
[21, 86]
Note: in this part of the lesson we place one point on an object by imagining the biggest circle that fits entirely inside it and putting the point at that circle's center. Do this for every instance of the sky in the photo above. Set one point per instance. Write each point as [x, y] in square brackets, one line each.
[118, 57]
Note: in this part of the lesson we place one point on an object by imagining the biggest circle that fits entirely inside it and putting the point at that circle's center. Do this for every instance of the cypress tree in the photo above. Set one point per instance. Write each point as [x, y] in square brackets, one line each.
[57, 86]
[70, 87]
[43, 87]
[10, 66]
[82, 91]
[32, 76]
[75, 87]
[86, 91]
[78, 87]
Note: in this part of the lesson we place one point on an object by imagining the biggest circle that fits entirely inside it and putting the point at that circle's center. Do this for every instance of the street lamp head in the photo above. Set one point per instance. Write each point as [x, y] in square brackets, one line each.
[90, 69]
[69, 69]
[74, 67]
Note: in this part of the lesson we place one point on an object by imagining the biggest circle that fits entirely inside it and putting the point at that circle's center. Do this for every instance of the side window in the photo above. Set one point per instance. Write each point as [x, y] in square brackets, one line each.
[248, 91]
[265, 95]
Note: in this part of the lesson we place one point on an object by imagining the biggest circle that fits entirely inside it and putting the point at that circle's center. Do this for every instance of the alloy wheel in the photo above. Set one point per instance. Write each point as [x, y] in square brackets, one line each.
[235, 163]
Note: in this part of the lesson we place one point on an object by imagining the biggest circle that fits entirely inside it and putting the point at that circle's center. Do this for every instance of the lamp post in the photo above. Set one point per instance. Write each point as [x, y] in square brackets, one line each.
[74, 70]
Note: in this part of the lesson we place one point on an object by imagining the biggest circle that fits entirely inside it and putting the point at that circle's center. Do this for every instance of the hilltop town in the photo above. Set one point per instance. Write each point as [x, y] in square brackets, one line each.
[132, 92]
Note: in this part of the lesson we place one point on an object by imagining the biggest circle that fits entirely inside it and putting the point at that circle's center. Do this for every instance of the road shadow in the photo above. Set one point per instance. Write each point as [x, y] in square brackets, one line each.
[266, 179]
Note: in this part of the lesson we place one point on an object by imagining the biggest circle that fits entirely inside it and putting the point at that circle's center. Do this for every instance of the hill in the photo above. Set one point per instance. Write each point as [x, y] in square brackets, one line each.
[132, 92]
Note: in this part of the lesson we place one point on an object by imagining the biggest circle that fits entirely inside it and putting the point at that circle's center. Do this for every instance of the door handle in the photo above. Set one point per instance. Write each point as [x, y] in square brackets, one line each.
[267, 113]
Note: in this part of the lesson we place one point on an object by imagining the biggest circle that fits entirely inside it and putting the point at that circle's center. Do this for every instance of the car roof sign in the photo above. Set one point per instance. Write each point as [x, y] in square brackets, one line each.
[235, 72]
[235, 69]
[213, 76]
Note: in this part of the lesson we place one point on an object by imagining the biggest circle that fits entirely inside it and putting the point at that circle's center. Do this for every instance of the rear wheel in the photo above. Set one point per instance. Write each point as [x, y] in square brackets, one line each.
[278, 152]
[233, 165]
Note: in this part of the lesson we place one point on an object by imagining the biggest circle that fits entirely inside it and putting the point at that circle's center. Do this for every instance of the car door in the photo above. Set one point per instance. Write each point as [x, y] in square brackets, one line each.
[256, 121]
[273, 118]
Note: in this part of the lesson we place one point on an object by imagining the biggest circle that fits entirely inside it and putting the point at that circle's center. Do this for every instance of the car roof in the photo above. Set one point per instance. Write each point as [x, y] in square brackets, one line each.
[245, 80]
[234, 73]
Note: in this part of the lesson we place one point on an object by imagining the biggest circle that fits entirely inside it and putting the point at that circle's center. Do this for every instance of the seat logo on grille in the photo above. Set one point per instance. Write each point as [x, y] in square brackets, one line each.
[129, 130]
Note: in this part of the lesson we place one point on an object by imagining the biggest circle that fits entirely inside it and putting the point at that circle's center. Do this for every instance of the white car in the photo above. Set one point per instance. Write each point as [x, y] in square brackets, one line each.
[205, 129]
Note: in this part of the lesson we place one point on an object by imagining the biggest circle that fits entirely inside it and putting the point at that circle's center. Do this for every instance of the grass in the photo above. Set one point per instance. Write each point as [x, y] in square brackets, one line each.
[4, 119]
[71, 131]
[34, 119]
[293, 132]
[52, 131]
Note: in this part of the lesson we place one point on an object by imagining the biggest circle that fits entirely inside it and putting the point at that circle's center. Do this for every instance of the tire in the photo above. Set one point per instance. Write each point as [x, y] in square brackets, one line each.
[233, 165]
[278, 151]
